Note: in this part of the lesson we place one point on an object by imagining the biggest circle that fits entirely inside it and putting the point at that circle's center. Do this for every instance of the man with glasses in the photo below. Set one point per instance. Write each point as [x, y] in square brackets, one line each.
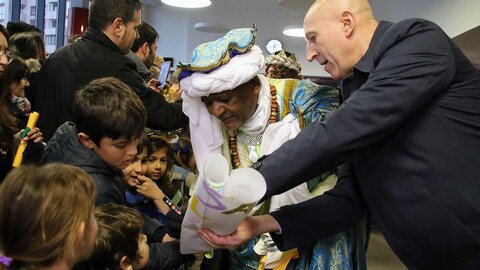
[5, 54]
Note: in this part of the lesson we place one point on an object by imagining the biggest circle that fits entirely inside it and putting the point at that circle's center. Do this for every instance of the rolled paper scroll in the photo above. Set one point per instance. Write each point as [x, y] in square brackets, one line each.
[221, 201]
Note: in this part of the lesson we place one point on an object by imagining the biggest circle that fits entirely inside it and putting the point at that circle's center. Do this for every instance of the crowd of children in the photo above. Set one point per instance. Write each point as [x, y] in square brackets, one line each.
[116, 166]
[107, 192]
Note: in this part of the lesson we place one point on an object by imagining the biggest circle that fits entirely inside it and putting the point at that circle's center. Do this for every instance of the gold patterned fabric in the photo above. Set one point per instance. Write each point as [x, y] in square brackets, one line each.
[285, 89]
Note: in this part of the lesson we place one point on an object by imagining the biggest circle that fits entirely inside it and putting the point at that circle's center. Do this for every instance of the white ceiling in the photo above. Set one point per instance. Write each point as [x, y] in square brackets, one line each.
[178, 36]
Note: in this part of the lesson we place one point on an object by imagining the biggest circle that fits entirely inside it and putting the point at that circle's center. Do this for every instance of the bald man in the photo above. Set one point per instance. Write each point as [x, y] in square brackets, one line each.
[409, 126]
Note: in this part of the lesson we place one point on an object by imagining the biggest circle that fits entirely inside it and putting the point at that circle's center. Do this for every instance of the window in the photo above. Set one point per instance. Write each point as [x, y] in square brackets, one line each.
[51, 5]
[28, 11]
[50, 40]
[50, 16]
[5, 7]
[68, 5]
[50, 23]
[2, 11]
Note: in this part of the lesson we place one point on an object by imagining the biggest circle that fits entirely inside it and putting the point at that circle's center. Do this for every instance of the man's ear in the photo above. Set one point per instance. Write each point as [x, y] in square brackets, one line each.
[145, 47]
[118, 27]
[348, 21]
[257, 89]
[125, 264]
[85, 140]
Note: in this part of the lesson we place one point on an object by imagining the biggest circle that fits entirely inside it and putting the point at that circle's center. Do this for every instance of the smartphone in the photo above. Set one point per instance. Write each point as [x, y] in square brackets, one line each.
[163, 74]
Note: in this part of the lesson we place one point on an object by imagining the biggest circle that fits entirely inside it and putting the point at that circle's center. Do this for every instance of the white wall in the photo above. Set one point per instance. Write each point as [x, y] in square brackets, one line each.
[455, 17]
[171, 27]
[178, 37]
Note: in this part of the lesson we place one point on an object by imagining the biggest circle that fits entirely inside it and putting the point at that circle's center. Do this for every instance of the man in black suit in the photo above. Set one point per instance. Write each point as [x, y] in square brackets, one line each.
[112, 30]
[409, 123]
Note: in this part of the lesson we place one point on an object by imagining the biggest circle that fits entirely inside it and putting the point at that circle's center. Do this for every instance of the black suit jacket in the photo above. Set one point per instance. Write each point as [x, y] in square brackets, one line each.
[410, 125]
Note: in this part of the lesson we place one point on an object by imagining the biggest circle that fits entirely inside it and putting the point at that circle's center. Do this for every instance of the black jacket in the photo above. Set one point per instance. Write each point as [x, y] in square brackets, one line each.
[410, 125]
[65, 147]
[95, 56]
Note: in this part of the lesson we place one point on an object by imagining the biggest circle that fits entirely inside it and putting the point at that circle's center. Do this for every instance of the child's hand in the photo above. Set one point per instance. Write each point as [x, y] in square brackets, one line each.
[149, 189]
[33, 135]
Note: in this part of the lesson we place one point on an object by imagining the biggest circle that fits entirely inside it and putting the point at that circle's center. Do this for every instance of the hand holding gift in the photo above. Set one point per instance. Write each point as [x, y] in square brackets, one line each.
[221, 201]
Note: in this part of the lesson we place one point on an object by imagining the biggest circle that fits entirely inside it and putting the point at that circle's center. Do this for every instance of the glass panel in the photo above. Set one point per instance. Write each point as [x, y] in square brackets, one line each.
[5, 11]
[50, 31]
[28, 11]
[68, 4]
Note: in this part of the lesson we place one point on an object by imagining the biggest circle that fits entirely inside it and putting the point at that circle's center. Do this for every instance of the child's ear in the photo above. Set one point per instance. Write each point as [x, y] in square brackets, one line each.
[81, 230]
[81, 234]
[125, 264]
[85, 140]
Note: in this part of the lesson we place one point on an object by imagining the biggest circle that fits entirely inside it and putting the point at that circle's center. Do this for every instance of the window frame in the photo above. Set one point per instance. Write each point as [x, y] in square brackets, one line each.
[40, 17]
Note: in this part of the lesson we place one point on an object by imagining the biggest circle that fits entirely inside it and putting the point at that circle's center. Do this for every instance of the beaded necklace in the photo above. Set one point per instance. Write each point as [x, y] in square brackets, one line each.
[232, 140]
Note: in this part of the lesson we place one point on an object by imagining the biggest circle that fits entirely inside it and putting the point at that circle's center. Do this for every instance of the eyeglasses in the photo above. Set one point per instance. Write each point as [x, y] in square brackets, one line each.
[7, 53]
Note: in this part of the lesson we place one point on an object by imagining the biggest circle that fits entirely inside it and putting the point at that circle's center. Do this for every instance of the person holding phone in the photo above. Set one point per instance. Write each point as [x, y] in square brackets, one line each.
[143, 51]
[112, 31]
[163, 74]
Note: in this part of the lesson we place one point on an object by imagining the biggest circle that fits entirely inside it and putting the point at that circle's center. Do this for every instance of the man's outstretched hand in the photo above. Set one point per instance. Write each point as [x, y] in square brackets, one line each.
[250, 227]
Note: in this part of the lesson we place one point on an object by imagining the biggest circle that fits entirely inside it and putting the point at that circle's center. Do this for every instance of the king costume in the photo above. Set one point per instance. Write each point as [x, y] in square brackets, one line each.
[224, 64]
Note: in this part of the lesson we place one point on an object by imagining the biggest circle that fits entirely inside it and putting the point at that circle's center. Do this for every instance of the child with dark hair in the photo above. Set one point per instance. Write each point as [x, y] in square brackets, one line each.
[108, 120]
[121, 243]
[160, 163]
[15, 80]
[102, 140]
[144, 195]
[9, 129]
[30, 47]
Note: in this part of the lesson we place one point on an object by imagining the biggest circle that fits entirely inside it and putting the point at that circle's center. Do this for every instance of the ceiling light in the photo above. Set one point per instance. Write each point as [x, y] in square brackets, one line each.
[211, 27]
[293, 32]
[188, 3]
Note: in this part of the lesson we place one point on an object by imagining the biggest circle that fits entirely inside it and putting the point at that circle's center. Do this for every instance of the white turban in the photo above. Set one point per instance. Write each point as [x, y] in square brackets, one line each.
[205, 131]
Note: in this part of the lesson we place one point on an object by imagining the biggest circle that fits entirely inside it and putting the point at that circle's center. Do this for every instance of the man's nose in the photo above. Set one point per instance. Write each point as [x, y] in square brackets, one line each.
[216, 109]
[4, 59]
[311, 52]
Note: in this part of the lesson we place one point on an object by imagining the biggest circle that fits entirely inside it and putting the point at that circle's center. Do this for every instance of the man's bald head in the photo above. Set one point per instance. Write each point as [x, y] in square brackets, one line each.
[338, 33]
[336, 7]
